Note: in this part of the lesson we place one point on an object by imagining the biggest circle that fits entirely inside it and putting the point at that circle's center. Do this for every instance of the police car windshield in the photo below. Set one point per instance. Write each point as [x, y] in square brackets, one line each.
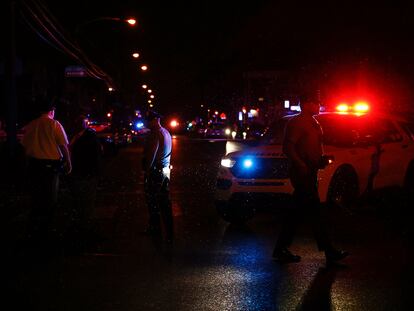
[341, 130]
[345, 130]
[274, 133]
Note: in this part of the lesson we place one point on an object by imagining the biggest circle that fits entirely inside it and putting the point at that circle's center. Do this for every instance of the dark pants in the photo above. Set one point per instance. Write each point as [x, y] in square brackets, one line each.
[83, 190]
[307, 207]
[43, 177]
[157, 194]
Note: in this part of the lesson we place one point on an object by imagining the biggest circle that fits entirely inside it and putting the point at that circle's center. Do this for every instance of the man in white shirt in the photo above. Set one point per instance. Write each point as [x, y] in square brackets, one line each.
[46, 147]
[156, 165]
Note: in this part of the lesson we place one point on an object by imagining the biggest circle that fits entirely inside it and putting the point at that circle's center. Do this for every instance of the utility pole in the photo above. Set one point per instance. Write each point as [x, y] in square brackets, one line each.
[10, 72]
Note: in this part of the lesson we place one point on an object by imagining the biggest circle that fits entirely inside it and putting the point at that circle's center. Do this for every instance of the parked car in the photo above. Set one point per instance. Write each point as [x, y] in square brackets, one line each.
[217, 130]
[367, 151]
[107, 135]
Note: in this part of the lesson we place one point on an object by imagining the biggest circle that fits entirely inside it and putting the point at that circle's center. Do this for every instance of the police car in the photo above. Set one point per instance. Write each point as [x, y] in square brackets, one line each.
[367, 151]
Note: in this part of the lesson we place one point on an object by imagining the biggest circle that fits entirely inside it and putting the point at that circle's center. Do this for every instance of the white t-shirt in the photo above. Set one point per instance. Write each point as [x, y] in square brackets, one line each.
[42, 138]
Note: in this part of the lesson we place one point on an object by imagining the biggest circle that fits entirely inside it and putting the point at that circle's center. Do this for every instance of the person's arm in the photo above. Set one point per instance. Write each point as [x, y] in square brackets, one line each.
[63, 143]
[66, 158]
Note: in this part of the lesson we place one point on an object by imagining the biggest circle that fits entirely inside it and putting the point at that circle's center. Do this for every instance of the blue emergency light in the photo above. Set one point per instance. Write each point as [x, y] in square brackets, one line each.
[247, 163]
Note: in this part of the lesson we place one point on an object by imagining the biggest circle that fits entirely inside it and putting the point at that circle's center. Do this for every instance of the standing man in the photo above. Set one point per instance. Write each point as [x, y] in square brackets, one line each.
[86, 153]
[303, 146]
[46, 148]
[156, 165]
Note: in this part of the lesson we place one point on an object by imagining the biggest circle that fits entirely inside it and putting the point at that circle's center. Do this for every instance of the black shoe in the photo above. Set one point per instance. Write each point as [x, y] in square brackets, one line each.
[335, 255]
[285, 256]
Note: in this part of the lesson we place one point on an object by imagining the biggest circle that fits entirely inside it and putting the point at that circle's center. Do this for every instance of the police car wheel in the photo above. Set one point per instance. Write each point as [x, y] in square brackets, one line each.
[343, 189]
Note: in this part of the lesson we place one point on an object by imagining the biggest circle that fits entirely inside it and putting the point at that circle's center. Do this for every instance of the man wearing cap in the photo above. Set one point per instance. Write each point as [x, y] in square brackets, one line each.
[46, 148]
[303, 146]
[156, 165]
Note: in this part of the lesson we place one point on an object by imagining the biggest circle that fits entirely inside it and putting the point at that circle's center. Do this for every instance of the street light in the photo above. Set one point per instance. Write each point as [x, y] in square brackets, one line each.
[144, 67]
[131, 21]
[135, 55]
[144, 86]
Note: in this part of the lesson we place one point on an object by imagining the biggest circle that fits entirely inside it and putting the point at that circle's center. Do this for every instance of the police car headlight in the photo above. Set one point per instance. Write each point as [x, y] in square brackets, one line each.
[247, 163]
[227, 162]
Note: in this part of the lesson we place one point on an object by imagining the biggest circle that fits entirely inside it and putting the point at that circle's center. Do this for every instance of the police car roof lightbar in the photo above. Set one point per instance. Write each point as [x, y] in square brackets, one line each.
[358, 107]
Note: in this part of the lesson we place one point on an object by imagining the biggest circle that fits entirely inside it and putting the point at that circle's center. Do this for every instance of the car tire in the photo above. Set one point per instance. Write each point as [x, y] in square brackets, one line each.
[343, 190]
[234, 213]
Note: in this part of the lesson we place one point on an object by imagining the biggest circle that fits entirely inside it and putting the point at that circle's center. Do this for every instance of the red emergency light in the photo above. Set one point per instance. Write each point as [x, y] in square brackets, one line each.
[358, 107]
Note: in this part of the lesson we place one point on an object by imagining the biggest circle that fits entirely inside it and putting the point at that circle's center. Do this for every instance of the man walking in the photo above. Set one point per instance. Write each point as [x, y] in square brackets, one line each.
[156, 165]
[303, 146]
[46, 147]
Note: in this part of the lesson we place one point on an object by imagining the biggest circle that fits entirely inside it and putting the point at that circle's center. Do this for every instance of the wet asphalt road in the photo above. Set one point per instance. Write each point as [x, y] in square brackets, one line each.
[211, 265]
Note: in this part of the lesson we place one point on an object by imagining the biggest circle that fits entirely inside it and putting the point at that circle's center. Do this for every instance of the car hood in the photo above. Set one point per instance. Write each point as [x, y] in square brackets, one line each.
[266, 151]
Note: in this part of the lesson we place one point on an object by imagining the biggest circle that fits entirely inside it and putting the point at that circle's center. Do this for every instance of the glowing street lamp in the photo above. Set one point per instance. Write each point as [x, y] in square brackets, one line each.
[144, 86]
[149, 101]
[152, 96]
[131, 21]
[110, 89]
[135, 55]
[144, 67]
[149, 91]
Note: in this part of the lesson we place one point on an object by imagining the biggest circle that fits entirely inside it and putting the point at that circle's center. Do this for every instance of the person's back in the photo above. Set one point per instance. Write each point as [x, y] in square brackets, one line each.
[86, 154]
[163, 155]
[42, 138]
[303, 146]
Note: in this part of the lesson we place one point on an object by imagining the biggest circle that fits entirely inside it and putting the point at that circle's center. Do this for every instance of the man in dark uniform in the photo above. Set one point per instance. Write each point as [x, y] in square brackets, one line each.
[156, 164]
[303, 146]
[86, 154]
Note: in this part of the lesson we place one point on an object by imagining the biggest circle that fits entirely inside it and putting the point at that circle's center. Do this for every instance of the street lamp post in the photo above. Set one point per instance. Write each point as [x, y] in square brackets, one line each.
[10, 70]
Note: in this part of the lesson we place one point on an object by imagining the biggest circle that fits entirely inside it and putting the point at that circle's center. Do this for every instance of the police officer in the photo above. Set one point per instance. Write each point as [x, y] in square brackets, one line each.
[156, 164]
[303, 146]
[46, 147]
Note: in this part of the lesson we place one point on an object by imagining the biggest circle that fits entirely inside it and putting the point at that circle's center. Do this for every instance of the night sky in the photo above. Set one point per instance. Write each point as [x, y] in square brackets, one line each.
[197, 48]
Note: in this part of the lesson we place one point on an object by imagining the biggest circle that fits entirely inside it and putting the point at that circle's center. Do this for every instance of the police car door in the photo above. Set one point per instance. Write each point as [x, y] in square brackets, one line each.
[389, 153]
